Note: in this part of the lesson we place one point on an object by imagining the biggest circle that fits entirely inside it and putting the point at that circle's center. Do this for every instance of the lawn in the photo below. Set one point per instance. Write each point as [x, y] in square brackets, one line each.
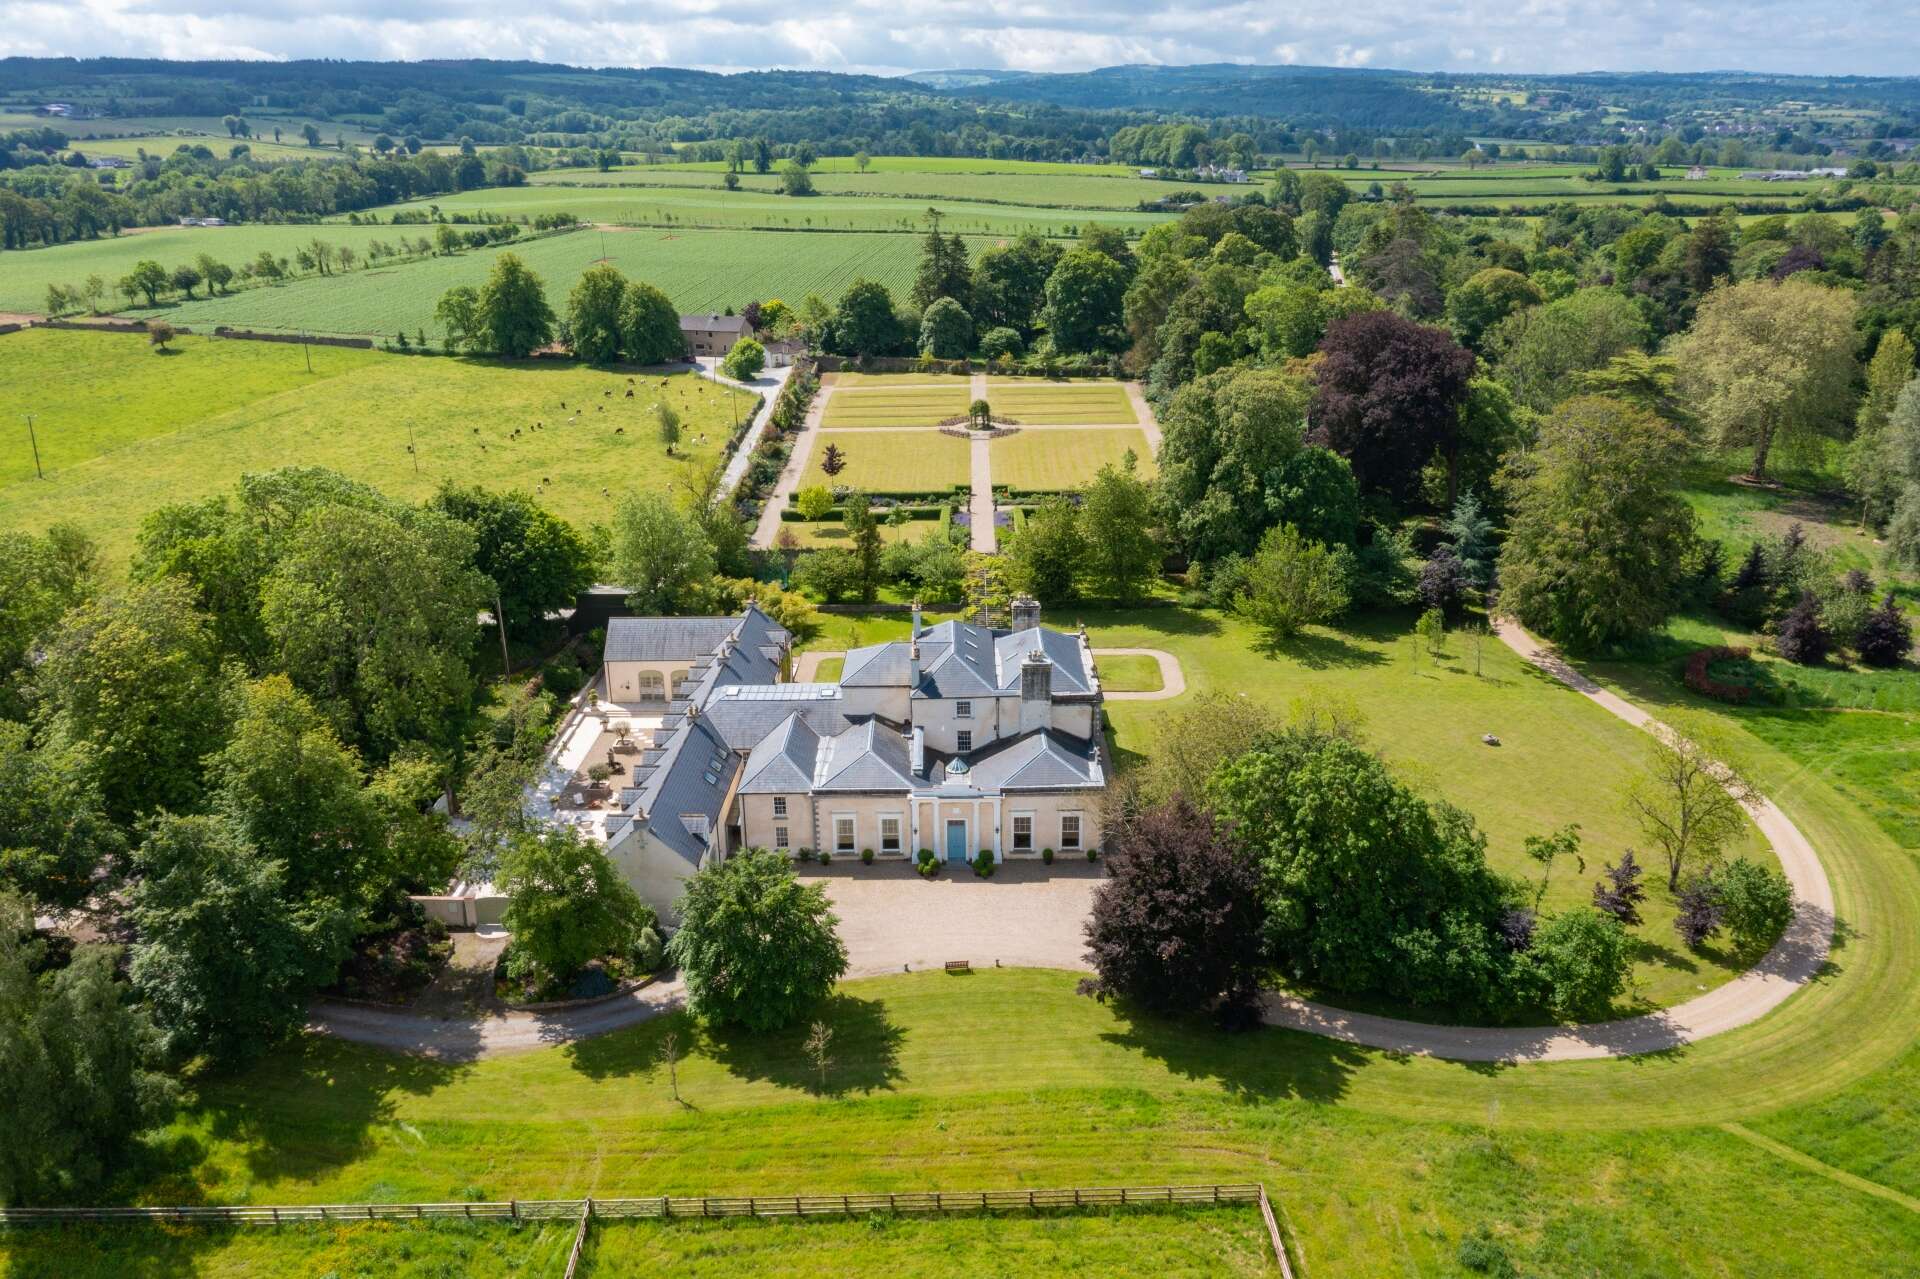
[1055, 460]
[855, 378]
[894, 405]
[1130, 673]
[879, 461]
[1378, 1165]
[820, 534]
[1206, 1241]
[699, 270]
[357, 414]
[1063, 403]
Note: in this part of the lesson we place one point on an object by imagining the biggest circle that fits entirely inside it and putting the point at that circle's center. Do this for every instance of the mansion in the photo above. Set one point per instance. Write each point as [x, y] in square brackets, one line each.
[959, 739]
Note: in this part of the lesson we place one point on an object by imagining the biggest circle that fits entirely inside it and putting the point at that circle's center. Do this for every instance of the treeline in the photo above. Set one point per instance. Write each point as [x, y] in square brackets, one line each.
[53, 204]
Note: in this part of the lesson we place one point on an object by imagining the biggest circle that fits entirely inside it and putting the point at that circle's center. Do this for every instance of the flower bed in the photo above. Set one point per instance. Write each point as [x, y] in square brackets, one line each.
[1700, 679]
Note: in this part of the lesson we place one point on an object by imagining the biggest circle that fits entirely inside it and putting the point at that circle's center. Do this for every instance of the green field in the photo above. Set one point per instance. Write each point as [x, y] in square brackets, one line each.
[132, 429]
[882, 461]
[1062, 403]
[699, 270]
[817, 535]
[712, 207]
[26, 273]
[1052, 461]
[1037, 190]
[899, 405]
[1212, 1241]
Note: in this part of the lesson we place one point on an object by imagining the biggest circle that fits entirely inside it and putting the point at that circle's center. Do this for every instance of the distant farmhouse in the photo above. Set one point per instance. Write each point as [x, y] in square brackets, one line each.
[712, 334]
[958, 739]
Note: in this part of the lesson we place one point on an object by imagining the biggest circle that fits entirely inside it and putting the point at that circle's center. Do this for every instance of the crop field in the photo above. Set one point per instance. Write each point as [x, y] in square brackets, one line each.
[1062, 404]
[921, 164]
[1051, 461]
[895, 406]
[1068, 190]
[699, 270]
[252, 407]
[710, 207]
[26, 273]
[893, 461]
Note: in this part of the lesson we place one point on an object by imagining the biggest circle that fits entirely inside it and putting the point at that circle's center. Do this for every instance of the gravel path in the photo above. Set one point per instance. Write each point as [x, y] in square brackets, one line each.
[1794, 960]
[985, 538]
[769, 526]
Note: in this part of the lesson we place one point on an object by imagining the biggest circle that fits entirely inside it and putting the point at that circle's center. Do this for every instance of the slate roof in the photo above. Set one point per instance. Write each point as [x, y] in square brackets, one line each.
[1040, 760]
[713, 324]
[744, 714]
[959, 659]
[692, 780]
[663, 639]
[783, 761]
[866, 757]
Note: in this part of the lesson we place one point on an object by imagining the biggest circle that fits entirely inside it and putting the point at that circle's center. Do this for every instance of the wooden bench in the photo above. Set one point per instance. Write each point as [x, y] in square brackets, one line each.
[959, 966]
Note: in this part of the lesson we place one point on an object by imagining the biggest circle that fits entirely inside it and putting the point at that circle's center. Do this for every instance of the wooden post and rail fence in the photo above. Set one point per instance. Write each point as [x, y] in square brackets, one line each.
[663, 1207]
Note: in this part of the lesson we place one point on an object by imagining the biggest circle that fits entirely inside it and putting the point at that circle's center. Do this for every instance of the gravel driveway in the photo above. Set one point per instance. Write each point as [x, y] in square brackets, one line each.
[1027, 915]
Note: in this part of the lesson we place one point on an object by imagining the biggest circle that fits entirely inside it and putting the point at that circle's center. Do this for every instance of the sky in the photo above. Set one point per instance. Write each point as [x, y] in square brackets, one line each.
[1862, 37]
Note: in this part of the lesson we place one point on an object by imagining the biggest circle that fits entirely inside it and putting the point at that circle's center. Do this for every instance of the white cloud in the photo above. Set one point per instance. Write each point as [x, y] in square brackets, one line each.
[1044, 35]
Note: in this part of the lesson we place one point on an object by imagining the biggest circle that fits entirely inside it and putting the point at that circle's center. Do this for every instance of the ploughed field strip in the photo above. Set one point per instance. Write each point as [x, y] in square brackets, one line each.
[891, 406]
[901, 461]
[1048, 461]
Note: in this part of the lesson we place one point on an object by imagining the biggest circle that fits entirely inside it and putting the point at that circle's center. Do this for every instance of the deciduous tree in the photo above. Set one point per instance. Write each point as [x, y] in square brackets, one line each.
[756, 947]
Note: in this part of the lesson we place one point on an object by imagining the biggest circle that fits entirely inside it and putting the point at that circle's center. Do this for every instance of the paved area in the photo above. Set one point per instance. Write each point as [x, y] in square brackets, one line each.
[768, 386]
[1027, 915]
[985, 538]
[1173, 680]
[807, 669]
[803, 444]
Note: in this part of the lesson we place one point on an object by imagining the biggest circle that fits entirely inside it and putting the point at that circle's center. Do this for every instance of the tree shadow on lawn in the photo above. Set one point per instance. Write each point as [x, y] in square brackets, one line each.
[1322, 650]
[1262, 1064]
[865, 1050]
[304, 1111]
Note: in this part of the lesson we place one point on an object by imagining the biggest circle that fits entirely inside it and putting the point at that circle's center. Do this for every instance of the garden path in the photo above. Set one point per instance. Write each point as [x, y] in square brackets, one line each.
[769, 525]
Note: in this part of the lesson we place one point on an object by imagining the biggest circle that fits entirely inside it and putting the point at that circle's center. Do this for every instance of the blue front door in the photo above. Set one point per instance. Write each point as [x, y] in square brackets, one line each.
[956, 841]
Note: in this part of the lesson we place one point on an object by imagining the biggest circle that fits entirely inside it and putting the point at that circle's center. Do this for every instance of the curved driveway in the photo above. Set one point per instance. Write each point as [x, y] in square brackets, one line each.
[1032, 915]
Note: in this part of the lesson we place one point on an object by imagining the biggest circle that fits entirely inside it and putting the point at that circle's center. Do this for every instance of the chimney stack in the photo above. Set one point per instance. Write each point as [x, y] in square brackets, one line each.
[915, 632]
[913, 666]
[1026, 613]
[1036, 691]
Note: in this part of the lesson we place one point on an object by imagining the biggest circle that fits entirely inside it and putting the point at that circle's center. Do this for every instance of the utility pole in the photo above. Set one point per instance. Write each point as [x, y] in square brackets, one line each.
[308, 352]
[414, 452]
[500, 621]
[35, 441]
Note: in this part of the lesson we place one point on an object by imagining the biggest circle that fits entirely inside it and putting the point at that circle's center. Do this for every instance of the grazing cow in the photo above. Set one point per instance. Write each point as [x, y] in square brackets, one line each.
[619, 430]
[629, 393]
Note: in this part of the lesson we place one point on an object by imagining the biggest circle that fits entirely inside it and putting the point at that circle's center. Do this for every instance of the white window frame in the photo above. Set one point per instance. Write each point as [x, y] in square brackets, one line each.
[963, 709]
[899, 833]
[852, 843]
[1013, 831]
[782, 838]
[1079, 830]
[963, 741]
[779, 805]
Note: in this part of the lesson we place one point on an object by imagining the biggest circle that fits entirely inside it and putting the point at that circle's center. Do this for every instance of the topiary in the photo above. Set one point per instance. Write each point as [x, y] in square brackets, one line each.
[983, 863]
[826, 856]
[1093, 854]
[866, 857]
[1046, 856]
